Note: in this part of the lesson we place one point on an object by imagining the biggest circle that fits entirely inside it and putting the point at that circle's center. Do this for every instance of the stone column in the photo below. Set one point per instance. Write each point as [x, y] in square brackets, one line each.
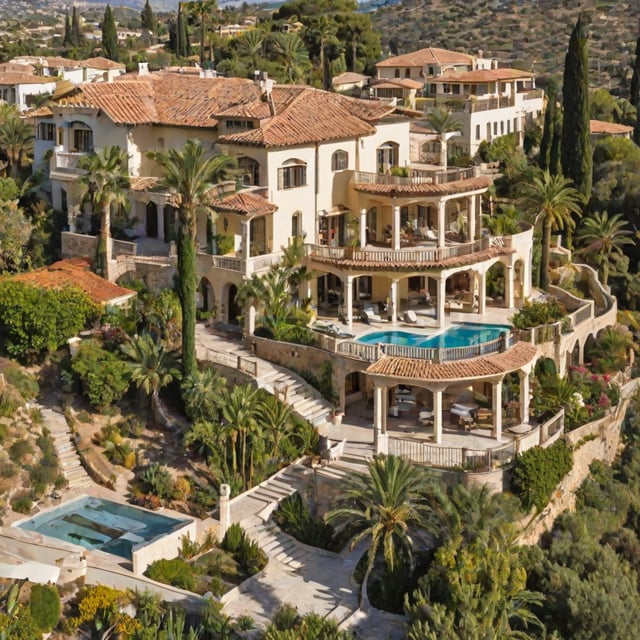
[524, 396]
[442, 207]
[472, 218]
[225, 511]
[348, 301]
[392, 311]
[396, 226]
[442, 287]
[508, 287]
[437, 416]
[496, 403]
[482, 292]
[378, 408]
[250, 321]
[246, 245]
[363, 228]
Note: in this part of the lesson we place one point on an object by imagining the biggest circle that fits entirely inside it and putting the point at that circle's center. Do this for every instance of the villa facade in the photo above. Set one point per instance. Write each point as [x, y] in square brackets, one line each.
[389, 241]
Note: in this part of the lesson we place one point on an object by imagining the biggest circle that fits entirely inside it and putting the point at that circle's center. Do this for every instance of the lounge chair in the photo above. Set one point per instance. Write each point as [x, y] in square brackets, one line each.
[368, 315]
[431, 234]
[411, 318]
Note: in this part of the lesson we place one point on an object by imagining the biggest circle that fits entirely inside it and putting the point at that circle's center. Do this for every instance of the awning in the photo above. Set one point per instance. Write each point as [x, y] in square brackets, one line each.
[336, 210]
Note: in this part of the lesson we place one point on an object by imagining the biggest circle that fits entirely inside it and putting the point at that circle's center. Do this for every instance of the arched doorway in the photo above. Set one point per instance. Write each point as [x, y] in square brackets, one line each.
[205, 298]
[169, 223]
[151, 220]
[496, 284]
[233, 307]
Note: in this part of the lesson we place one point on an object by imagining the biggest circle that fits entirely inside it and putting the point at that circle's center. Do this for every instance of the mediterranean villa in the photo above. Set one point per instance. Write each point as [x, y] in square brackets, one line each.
[394, 251]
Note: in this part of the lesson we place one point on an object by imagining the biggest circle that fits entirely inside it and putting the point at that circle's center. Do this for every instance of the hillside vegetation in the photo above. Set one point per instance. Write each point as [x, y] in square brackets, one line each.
[526, 34]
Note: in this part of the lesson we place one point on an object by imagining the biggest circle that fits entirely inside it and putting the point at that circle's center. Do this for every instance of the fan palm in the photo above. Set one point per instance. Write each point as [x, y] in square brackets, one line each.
[202, 392]
[105, 182]
[251, 45]
[602, 239]
[293, 55]
[152, 367]
[16, 140]
[323, 32]
[276, 420]
[190, 174]
[386, 506]
[552, 200]
[444, 124]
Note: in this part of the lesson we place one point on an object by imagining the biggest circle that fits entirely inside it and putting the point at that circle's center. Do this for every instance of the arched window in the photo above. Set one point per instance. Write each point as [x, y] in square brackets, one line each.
[387, 156]
[292, 173]
[249, 170]
[339, 160]
[81, 137]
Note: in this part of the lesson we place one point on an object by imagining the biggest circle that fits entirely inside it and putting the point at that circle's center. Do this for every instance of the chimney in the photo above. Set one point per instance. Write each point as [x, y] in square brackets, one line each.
[266, 85]
[143, 68]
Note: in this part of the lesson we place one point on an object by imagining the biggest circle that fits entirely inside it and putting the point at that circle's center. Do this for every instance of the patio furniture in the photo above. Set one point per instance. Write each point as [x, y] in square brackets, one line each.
[402, 407]
[368, 315]
[425, 418]
[466, 413]
[411, 318]
[335, 452]
[484, 415]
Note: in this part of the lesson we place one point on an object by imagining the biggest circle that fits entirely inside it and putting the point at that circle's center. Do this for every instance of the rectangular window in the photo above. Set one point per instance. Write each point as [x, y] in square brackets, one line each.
[495, 128]
[508, 126]
[501, 127]
[83, 140]
[46, 131]
[291, 177]
[477, 132]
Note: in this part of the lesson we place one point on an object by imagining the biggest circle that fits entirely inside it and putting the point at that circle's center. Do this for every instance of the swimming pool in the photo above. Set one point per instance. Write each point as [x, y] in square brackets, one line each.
[95, 523]
[459, 335]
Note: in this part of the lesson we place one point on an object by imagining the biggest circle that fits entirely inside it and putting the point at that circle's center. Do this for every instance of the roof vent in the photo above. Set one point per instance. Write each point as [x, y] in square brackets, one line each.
[143, 68]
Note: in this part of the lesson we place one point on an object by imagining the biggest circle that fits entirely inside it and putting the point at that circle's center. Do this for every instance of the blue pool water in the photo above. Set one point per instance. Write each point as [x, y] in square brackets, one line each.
[95, 523]
[461, 335]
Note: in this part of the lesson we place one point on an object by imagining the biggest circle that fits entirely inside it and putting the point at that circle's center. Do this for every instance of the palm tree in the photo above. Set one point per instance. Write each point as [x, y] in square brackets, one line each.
[202, 393]
[603, 239]
[201, 9]
[105, 182]
[323, 32]
[152, 367]
[551, 199]
[276, 420]
[445, 125]
[293, 55]
[190, 174]
[386, 506]
[251, 45]
[16, 140]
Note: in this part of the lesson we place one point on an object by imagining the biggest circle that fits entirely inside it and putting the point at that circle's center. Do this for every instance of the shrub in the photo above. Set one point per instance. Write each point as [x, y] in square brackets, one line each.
[158, 481]
[538, 471]
[294, 334]
[175, 572]
[22, 504]
[535, 313]
[45, 606]
[25, 382]
[19, 450]
[8, 470]
[248, 554]
[188, 547]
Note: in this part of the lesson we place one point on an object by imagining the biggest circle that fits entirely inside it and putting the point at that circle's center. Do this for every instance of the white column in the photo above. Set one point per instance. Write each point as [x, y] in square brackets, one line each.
[363, 227]
[526, 275]
[396, 226]
[250, 320]
[378, 413]
[442, 286]
[497, 409]
[160, 212]
[508, 287]
[348, 301]
[392, 311]
[225, 511]
[524, 396]
[437, 416]
[482, 292]
[246, 245]
[472, 218]
[442, 205]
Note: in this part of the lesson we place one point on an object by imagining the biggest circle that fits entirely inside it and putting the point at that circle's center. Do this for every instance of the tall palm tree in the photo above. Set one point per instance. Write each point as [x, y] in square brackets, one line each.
[602, 239]
[552, 200]
[276, 420]
[105, 182]
[323, 32]
[16, 140]
[202, 10]
[386, 506]
[293, 55]
[251, 45]
[202, 393]
[152, 366]
[189, 174]
[445, 125]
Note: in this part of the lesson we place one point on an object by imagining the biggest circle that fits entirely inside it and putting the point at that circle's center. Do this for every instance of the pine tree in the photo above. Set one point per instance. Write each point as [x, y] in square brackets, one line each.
[635, 92]
[549, 124]
[66, 39]
[577, 161]
[147, 18]
[76, 32]
[109, 35]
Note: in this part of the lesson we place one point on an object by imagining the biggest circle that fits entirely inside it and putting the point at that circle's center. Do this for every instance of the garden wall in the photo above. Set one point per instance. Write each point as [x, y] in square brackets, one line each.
[155, 276]
[166, 546]
[78, 244]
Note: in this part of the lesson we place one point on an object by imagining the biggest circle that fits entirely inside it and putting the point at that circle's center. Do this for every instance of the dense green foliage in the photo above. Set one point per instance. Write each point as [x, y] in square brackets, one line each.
[45, 606]
[35, 322]
[250, 557]
[288, 625]
[535, 313]
[109, 35]
[538, 472]
[177, 572]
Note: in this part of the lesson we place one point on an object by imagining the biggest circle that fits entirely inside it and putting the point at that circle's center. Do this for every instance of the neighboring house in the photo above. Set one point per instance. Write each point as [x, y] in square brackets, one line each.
[348, 81]
[21, 89]
[600, 129]
[76, 71]
[487, 101]
[400, 91]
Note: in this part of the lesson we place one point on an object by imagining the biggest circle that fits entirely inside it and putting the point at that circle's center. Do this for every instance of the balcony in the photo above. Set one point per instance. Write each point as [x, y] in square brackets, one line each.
[238, 264]
[64, 165]
[416, 176]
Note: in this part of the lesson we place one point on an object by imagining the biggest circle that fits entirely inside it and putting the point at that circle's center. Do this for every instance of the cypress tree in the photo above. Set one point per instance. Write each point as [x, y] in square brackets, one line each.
[549, 124]
[634, 96]
[182, 35]
[577, 161]
[76, 32]
[66, 39]
[109, 35]
[555, 166]
[147, 18]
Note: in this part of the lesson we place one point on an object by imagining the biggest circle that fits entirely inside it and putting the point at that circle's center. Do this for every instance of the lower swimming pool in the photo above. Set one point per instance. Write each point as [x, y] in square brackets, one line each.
[96, 523]
[459, 335]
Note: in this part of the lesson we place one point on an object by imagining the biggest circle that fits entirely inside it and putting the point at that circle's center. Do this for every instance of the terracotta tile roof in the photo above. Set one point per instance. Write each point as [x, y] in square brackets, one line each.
[349, 77]
[13, 77]
[390, 83]
[42, 112]
[48, 61]
[424, 188]
[246, 203]
[513, 359]
[430, 55]
[484, 75]
[16, 67]
[598, 127]
[75, 272]
[101, 63]
[63, 88]
[305, 115]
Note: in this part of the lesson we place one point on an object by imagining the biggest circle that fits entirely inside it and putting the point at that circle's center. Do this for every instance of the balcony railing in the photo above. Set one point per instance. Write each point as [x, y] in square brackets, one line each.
[255, 264]
[416, 176]
[67, 162]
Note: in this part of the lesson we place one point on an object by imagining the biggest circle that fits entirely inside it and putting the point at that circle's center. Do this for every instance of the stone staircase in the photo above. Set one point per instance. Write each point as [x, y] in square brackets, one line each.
[68, 457]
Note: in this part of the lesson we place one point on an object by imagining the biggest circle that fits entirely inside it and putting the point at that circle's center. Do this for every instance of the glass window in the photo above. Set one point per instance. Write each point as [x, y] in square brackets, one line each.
[387, 156]
[83, 140]
[339, 160]
[292, 174]
[46, 131]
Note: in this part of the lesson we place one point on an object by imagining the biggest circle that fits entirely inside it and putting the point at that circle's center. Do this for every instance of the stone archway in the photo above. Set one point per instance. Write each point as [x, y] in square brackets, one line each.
[495, 287]
[205, 297]
[151, 220]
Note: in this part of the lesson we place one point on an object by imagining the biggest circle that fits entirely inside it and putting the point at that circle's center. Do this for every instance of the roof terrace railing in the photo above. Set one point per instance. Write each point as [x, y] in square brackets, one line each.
[416, 176]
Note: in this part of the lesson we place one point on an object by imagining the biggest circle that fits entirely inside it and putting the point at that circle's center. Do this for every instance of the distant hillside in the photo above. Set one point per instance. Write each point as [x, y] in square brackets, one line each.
[525, 34]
